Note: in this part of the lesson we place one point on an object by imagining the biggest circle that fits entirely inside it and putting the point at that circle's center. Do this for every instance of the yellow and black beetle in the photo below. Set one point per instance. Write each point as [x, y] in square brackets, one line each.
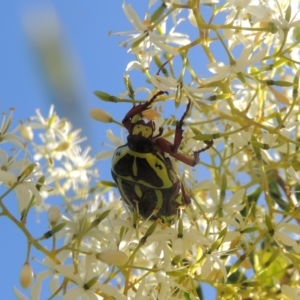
[143, 174]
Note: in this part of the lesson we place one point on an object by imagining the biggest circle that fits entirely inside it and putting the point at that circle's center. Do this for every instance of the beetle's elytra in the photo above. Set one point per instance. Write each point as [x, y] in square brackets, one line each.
[143, 174]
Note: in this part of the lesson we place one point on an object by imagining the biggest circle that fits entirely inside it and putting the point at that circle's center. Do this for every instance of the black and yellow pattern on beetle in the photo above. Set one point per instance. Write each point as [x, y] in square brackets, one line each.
[146, 180]
[144, 175]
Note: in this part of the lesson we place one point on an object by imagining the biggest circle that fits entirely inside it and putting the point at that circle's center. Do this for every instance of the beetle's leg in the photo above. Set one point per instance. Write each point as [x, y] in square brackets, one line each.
[179, 130]
[167, 147]
[138, 109]
[160, 132]
[185, 195]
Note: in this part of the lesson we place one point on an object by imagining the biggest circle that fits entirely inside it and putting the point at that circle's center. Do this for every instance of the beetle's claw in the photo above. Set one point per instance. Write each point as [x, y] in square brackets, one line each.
[197, 157]
[209, 144]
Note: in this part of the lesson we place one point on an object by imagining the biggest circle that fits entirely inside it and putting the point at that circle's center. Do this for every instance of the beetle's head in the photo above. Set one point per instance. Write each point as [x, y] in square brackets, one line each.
[143, 129]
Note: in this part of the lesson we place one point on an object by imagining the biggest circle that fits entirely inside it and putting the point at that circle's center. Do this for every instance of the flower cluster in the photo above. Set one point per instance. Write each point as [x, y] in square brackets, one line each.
[236, 65]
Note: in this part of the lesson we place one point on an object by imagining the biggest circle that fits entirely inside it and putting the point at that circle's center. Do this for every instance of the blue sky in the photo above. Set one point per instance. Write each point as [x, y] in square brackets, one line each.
[93, 61]
[96, 63]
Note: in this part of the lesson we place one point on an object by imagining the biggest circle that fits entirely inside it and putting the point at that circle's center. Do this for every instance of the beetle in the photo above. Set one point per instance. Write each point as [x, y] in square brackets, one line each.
[144, 175]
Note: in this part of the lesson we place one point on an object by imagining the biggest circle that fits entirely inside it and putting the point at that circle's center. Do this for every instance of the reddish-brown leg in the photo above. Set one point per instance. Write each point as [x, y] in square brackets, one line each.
[167, 147]
[137, 110]
[160, 132]
[179, 130]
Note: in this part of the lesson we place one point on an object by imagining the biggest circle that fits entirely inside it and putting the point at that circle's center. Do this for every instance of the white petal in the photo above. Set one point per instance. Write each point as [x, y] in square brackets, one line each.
[54, 284]
[74, 293]
[221, 266]
[214, 195]
[293, 228]
[237, 197]
[286, 239]
[14, 140]
[109, 290]
[291, 292]
[178, 39]
[133, 18]
[216, 67]
[151, 2]
[134, 65]
[105, 154]
[113, 257]
[231, 235]
[90, 295]
[32, 187]
[258, 56]
[168, 81]
[113, 139]
[291, 171]
[198, 90]
[19, 294]
[23, 196]
[69, 273]
[206, 267]
[36, 288]
[165, 47]
[178, 247]
[7, 177]
[295, 23]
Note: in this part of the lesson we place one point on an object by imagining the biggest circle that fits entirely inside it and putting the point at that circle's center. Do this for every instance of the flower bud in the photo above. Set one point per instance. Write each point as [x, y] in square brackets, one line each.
[113, 257]
[54, 215]
[26, 275]
[101, 115]
[105, 97]
[63, 146]
[150, 114]
[27, 132]
[178, 247]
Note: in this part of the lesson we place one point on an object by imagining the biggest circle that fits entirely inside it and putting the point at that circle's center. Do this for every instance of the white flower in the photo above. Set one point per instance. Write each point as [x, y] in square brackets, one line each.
[143, 31]
[49, 272]
[293, 293]
[117, 142]
[25, 184]
[211, 263]
[247, 58]
[146, 42]
[10, 136]
[70, 167]
[57, 137]
[167, 83]
[54, 215]
[80, 221]
[234, 204]
[284, 233]
[86, 283]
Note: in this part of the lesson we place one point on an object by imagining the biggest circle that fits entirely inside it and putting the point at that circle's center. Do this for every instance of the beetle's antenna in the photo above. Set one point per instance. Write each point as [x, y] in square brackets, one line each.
[155, 96]
[160, 132]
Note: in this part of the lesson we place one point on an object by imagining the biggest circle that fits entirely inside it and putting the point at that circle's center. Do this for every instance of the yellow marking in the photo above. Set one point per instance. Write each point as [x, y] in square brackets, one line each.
[159, 199]
[179, 199]
[138, 190]
[134, 168]
[144, 130]
[169, 177]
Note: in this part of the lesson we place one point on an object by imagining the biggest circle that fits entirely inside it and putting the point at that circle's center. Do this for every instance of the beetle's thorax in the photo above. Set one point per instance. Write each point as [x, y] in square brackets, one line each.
[142, 128]
[139, 143]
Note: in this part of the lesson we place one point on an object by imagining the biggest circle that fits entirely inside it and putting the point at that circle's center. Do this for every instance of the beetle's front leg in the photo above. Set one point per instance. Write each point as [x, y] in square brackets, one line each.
[167, 147]
[138, 109]
[197, 153]
[179, 130]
